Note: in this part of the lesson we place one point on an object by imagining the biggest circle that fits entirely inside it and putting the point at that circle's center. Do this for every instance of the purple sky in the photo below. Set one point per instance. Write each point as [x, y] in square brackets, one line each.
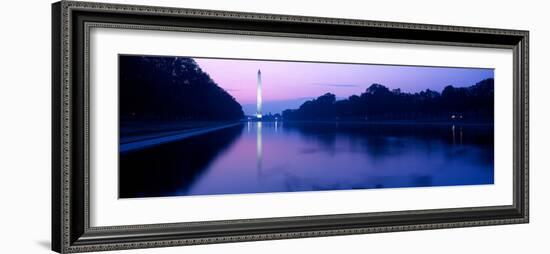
[288, 84]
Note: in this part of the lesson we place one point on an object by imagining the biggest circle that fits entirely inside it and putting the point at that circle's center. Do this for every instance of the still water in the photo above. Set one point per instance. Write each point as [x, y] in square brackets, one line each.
[258, 157]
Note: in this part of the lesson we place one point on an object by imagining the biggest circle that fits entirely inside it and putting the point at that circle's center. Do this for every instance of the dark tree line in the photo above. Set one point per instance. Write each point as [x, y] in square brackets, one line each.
[171, 88]
[474, 103]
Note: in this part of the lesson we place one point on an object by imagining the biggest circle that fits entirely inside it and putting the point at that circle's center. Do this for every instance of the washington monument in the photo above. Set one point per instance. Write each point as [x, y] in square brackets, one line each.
[259, 96]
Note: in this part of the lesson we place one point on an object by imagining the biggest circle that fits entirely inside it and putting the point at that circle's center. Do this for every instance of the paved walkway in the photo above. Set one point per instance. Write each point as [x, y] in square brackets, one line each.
[168, 137]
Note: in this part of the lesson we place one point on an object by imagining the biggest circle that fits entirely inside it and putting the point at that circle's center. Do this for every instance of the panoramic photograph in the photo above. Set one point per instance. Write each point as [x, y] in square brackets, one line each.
[215, 126]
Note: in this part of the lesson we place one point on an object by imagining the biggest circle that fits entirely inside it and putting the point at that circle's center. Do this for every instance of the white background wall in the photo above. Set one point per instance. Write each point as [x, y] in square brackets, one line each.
[25, 126]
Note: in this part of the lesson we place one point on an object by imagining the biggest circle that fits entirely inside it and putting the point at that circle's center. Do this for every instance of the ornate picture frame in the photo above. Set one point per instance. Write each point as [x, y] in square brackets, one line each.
[71, 229]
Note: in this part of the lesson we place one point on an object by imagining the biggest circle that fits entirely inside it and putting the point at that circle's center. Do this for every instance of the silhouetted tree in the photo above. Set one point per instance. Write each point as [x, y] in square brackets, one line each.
[474, 103]
[171, 88]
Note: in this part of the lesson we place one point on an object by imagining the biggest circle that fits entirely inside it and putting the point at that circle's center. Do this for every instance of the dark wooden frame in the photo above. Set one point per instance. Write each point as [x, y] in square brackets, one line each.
[71, 22]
